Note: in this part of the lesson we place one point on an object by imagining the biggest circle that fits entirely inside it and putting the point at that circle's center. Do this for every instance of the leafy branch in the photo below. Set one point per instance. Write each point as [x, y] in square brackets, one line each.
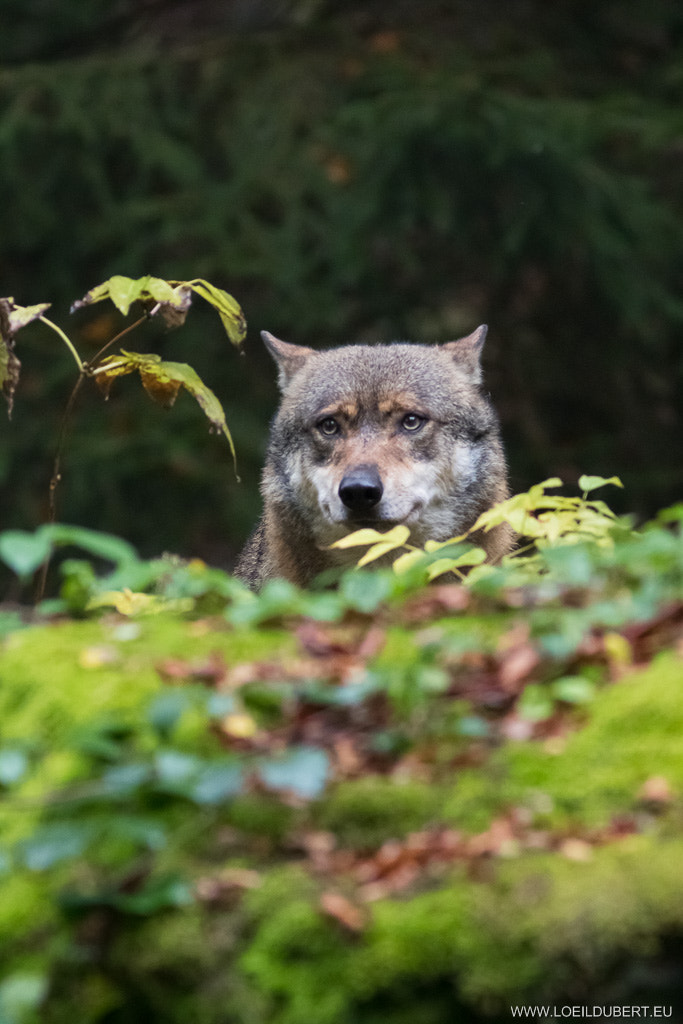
[162, 380]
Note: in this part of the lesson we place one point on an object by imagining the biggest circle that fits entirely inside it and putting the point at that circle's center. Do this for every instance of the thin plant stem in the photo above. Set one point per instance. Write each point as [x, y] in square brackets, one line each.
[67, 341]
[117, 337]
[57, 476]
[84, 370]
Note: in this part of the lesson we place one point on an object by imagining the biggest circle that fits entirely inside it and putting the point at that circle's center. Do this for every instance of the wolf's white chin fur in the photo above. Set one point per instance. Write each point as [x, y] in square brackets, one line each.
[421, 497]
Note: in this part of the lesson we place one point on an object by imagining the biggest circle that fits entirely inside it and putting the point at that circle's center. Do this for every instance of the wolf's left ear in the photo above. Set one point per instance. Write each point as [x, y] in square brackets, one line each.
[467, 351]
[289, 358]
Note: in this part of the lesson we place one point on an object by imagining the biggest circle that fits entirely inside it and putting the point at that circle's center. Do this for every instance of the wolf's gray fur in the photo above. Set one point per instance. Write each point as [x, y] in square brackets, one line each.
[374, 436]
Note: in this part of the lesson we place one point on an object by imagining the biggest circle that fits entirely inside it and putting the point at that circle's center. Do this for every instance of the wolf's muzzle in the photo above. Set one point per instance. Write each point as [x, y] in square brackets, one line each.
[361, 489]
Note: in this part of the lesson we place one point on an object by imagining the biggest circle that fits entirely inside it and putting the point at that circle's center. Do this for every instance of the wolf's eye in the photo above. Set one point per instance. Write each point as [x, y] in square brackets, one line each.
[412, 422]
[329, 426]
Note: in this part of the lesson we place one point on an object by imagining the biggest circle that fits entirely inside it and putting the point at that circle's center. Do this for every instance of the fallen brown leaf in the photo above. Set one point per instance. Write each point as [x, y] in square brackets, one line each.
[334, 905]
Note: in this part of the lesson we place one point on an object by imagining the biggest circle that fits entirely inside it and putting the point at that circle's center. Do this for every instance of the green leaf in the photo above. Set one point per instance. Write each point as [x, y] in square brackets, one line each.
[21, 995]
[382, 543]
[162, 382]
[24, 552]
[54, 843]
[229, 310]
[123, 779]
[219, 704]
[431, 679]
[590, 483]
[143, 832]
[100, 545]
[167, 708]
[170, 299]
[13, 765]
[12, 319]
[174, 768]
[360, 538]
[473, 727]
[573, 689]
[365, 591]
[303, 771]
[400, 535]
[10, 621]
[465, 559]
[156, 894]
[536, 703]
[124, 291]
[23, 315]
[407, 561]
[217, 783]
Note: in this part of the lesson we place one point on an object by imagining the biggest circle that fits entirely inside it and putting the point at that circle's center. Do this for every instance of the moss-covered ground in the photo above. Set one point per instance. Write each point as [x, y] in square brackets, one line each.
[291, 811]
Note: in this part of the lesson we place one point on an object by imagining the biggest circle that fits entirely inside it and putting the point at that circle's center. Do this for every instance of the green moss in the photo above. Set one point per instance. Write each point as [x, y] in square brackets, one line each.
[534, 926]
[473, 800]
[366, 812]
[542, 927]
[23, 908]
[297, 956]
[58, 676]
[62, 685]
[261, 815]
[566, 925]
[161, 960]
[634, 732]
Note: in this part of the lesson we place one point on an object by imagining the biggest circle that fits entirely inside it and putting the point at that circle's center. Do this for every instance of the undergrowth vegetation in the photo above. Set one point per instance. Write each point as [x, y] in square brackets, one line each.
[380, 802]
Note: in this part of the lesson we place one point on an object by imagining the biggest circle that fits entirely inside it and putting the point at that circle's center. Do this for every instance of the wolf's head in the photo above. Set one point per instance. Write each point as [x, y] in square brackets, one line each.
[383, 434]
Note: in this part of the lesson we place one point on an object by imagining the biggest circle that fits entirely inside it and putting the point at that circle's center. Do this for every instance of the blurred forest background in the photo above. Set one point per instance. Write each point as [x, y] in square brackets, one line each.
[350, 171]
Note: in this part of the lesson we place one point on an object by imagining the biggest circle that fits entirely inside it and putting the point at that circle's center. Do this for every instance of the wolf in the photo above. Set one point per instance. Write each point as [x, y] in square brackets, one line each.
[375, 435]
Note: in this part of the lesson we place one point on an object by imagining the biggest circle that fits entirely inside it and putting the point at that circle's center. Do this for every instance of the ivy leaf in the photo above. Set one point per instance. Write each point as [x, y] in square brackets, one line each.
[365, 591]
[162, 381]
[21, 994]
[100, 545]
[53, 843]
[13, 765]
[24, 552]
[303, 771]
[216, 783]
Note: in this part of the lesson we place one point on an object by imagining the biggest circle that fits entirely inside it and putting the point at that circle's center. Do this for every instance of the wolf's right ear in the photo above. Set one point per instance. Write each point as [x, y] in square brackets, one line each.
[289, 358]
[467, 351]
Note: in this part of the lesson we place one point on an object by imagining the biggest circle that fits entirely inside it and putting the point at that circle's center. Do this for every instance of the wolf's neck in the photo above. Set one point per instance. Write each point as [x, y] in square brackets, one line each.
[291, 546]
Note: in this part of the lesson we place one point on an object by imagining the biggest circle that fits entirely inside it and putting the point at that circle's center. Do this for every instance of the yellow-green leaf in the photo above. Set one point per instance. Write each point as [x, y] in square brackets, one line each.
[12, 319]
[124, 291]
[465, 560]
[359, 538]
[407, 560]
[228, 309]
[170, 299]
[22, 315]
[436, 545]
[162, 381]
[440, 567]
[591, 483]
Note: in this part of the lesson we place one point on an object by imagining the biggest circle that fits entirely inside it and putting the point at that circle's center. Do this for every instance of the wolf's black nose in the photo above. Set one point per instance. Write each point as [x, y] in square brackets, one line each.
[361, 489]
